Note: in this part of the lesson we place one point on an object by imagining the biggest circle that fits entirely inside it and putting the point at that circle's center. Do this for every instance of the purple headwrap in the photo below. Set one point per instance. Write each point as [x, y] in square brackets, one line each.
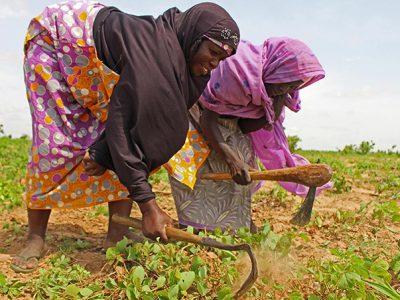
[237, 88]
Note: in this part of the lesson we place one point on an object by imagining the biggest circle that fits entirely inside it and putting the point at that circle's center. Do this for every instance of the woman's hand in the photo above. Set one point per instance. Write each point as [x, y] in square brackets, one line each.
[239, 172]
[154, 220]
[237, 168]
[92, 168]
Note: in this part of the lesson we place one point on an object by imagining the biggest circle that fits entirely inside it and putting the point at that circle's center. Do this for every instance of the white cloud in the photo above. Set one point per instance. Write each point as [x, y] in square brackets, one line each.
[352, 59]
[14, 9]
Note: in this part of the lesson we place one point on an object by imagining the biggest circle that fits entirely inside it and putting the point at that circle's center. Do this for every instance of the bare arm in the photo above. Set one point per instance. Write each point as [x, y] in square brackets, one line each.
[250, 125]
[238, 168]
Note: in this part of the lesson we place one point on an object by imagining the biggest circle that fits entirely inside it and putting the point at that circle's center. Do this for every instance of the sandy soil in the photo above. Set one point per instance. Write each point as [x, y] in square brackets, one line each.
[68, 226]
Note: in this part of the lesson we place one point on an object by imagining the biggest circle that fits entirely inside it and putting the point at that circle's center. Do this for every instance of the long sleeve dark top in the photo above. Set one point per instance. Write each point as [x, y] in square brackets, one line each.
[116, 150]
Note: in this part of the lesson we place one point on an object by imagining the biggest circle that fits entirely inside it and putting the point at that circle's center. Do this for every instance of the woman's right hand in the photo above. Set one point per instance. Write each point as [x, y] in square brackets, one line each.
[239, 171]
[154, 220]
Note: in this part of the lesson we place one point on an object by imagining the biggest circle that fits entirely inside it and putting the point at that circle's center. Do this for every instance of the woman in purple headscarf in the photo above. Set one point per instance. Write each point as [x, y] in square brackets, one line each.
[241, 116]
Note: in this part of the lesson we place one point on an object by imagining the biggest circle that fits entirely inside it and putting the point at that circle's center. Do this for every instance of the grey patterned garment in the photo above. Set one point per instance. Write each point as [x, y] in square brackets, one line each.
[222, 204]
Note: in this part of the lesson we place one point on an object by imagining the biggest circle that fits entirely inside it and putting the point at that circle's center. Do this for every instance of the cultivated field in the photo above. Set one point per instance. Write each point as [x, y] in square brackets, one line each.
[350, 249]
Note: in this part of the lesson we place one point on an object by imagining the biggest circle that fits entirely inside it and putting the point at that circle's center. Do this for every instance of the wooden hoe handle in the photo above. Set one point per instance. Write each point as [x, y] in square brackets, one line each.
[310, 175]
[172, 232]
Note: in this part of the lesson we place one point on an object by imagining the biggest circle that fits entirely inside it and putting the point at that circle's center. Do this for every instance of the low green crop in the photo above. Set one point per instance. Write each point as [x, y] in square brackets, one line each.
[351, 276]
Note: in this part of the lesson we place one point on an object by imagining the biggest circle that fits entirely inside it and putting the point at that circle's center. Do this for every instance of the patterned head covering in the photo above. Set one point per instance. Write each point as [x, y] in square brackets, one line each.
[206, 20]
[237, 86]
[287, 60]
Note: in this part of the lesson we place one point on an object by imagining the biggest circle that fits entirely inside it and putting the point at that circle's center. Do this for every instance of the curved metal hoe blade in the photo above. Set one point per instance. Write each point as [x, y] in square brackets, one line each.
[244, 247]
[303, 216]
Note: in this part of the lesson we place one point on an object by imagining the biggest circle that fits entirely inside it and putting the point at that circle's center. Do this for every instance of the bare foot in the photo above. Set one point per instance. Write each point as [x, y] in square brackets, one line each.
[27, 260]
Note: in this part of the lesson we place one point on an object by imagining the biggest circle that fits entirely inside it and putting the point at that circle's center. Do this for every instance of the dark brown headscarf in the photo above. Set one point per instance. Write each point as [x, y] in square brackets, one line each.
[148, 118]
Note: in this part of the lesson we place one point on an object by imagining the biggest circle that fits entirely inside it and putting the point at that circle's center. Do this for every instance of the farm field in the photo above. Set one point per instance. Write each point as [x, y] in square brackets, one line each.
[349, 250]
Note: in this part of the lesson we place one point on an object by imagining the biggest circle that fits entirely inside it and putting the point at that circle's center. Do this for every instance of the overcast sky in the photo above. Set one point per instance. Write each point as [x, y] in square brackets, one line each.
[357, 42]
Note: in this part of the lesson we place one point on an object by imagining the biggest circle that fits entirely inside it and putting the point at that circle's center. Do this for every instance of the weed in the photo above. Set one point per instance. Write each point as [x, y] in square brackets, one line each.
[341, 184]
[10, 288]
[387, 210]
[293, 141]
[349, 276]
[278, 194]
[13, 158]
[160, 176]
[69, 245]
[99, 210]
[391, 182]
[59, 280]
[13, 226]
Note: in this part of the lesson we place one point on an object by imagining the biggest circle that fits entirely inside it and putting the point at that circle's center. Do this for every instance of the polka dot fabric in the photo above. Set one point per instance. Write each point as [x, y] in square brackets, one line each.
[184, 165]
[68, 90]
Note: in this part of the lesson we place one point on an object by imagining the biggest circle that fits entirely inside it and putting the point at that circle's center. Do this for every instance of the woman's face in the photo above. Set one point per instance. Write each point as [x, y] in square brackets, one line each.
[206, 58]
[280, 89]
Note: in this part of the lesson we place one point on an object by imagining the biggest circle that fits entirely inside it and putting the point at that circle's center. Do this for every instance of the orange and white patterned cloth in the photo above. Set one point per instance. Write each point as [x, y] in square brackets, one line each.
[183, 166]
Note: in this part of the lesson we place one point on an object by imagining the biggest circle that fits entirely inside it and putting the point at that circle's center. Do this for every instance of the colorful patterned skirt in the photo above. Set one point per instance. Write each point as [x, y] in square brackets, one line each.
[68, 90]
[211, 204]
